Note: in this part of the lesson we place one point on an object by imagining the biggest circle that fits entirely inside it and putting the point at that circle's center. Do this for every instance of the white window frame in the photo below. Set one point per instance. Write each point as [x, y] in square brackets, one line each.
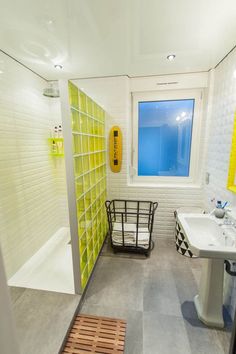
[194, 168]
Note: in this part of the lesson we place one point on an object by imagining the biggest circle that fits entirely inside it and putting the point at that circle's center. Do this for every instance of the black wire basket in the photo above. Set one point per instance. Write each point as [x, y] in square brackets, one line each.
[131, 225]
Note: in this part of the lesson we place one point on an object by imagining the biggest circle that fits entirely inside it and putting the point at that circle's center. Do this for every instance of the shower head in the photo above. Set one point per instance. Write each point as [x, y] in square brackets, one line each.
[52, 90]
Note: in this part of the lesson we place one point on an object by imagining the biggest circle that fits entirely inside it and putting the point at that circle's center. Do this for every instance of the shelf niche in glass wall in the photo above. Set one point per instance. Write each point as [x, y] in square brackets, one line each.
[89, 153]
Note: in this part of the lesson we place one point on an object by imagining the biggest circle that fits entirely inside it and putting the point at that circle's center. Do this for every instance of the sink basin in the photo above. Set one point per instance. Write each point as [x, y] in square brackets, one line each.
[206, 238]
[209, 239]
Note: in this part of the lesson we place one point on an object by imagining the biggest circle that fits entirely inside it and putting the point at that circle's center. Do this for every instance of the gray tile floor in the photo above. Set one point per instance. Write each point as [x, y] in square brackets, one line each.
[42, 319]
[155, 296]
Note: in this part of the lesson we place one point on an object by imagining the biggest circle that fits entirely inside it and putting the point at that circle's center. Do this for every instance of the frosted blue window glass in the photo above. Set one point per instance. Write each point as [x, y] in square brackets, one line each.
[164, 137]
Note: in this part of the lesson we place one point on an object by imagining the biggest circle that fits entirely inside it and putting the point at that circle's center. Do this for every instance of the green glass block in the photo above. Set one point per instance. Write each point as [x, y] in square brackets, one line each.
[103, 145]
[91, 144]
[86, 163]
[101, 187]
[82, 243]
[96, 143]
[96, 250]
[97, 189]
[89, 106]
[82, 102]
[99, 173]
[95, 126]
[100, 242]
[96, 159]
[92, 161]
[90, 246]
[85, 147]
[93, 177]
[83, 123]
[86, 182]
[103, 130]
[73, 95]
[82, 225]
[95, 110]
[83, 260]
[75, 122]
[99, 144]
[80, 207]
[87, 199]
[84, 277]
[95, 222]
[89, 231]
[93, 229]
[93, 194]
[90, 125]
[97, 204]
[90, 264]
[94, 211]
[96, 175]
[77, 143]
[78, 165]
[99, 216]
[79, 187]
[88, 215]
[100, 129]
[103, 157]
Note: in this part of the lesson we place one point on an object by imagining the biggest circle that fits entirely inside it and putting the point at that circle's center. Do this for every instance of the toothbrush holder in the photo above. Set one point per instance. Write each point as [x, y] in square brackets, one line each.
[219, 213]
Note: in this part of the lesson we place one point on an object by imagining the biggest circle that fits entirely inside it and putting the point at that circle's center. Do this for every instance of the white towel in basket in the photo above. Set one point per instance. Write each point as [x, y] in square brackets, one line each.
[130, 235]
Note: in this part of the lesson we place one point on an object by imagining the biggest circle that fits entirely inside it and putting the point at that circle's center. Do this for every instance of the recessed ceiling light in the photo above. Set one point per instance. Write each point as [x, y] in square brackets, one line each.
[58, 66]
[234, 74]
[1, 72]
[171, 57]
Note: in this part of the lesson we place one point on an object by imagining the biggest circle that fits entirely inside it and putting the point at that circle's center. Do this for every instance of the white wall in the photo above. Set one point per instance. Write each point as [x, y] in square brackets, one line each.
[30, 181]
[220, 137]
[115, 95]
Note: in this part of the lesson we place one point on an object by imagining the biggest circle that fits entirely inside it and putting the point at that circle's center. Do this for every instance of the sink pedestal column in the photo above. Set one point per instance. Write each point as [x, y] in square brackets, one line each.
[209, 301]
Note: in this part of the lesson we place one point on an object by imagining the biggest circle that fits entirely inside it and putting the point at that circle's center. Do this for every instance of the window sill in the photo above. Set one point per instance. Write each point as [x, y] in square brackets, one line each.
[164, 185]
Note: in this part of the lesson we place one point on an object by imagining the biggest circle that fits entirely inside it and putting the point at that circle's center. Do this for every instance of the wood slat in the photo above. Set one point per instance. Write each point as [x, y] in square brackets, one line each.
[96, 335]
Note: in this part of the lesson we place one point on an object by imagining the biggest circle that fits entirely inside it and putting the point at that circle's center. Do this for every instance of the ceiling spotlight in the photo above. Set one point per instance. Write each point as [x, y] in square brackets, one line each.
[171, 57]
[58, 66]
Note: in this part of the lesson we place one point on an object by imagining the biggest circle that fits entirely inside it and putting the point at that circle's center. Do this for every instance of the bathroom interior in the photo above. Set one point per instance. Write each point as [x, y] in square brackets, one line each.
[163, 75]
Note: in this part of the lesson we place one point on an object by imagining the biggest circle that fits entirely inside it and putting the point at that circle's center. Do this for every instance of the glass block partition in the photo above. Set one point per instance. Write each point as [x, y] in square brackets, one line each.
[89, 145]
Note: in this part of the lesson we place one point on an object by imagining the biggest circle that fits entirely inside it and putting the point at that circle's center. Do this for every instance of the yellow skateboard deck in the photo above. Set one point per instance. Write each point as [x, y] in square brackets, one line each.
[115, 149]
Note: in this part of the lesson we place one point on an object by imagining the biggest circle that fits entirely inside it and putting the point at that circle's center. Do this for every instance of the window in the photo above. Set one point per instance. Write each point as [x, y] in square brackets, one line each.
[165, 133]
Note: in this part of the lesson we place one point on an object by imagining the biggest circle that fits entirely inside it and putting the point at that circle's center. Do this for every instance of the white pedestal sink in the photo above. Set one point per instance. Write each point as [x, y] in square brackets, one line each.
[207, 239]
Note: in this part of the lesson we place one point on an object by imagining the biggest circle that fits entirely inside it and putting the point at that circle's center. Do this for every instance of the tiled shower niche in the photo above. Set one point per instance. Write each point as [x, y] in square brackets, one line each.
[89, 153]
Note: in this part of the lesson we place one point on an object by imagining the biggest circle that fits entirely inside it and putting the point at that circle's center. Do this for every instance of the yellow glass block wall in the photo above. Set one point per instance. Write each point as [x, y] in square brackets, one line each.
[231, 185]
[89, 142]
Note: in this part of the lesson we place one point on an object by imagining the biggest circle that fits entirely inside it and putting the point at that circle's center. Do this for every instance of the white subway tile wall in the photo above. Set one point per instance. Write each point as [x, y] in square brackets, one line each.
[220, 137]
[32, 184]
[114, 94]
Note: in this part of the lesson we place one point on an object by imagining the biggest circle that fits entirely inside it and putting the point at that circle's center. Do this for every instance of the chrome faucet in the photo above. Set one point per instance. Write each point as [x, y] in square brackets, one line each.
[228, 219]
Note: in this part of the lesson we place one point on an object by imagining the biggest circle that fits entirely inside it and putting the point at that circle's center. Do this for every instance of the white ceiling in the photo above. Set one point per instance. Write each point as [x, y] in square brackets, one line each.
[116, 37]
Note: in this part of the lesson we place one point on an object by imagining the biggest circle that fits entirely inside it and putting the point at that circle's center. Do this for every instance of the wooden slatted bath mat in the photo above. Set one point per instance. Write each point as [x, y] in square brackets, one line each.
[96, 335]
